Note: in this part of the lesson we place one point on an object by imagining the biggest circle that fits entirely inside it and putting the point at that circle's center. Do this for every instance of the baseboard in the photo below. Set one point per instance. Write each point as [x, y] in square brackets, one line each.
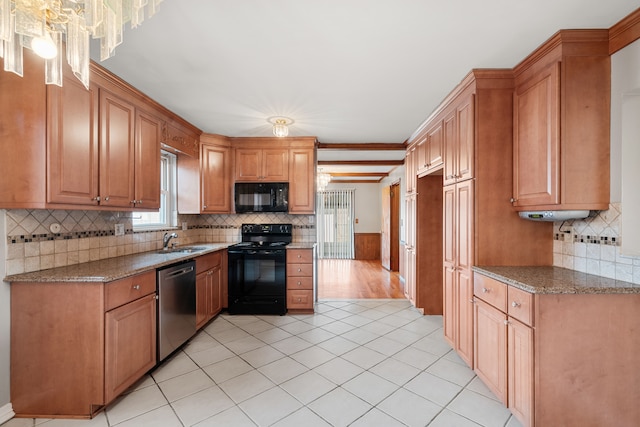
[6, 413]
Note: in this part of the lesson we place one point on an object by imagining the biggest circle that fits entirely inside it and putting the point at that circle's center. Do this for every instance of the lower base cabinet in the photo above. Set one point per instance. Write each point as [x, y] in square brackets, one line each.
[75, 346]
[559, 359]
[300, 280]
[210, 276]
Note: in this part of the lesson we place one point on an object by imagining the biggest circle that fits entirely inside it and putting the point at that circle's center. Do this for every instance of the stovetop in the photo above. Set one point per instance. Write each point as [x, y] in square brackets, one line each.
[264, 236]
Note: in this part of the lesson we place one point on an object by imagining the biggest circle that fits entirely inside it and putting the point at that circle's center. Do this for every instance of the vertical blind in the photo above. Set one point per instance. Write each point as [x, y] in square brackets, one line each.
[335, 224]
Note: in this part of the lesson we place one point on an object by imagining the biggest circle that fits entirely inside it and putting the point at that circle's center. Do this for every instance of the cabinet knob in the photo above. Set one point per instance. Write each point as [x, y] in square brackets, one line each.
[299, 299]
[138, 202]
[204, 207]
[485, 290]
[136, 287]
[515, 304]
[299, 269]
[106, 199]
[299, 256]
[512, 200]
[96, 199]
[299, 284]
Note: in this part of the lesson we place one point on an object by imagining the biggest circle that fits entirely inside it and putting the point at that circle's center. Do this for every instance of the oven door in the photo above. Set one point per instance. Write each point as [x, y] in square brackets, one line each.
[257, 281]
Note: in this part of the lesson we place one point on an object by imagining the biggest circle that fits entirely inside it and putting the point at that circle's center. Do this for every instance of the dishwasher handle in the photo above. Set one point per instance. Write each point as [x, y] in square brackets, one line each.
[177, 273]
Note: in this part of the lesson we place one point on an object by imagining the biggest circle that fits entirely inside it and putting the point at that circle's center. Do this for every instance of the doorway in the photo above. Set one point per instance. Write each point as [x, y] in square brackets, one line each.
[390, 235]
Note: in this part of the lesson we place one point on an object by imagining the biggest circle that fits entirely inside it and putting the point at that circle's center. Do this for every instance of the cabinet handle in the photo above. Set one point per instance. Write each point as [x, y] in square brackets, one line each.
[204, 207]
[512, 200]
[138, 202]
[299, 269]
[515, 304]
[299, 284]
[96, 199]
[106, 199]
[450, 176]
[485, 290]
[299, 299]
[136, 287]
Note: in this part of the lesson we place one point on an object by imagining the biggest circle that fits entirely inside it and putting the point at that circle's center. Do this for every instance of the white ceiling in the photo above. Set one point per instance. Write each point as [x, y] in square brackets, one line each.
[346, 71]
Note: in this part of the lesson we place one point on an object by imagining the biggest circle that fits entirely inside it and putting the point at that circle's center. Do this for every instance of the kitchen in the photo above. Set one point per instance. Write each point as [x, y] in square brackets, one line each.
[563, 252]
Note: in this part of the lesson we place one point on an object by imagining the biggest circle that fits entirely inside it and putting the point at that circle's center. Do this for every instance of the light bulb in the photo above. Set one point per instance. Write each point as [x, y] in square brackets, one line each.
[280, 128]
[44, 46]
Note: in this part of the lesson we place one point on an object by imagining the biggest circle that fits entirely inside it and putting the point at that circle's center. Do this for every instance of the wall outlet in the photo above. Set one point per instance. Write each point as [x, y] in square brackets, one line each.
[312, 219]
[119, 230]
[184, 225]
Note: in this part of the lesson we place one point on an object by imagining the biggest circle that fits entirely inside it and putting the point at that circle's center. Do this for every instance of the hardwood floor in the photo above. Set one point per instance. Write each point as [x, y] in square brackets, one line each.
[344, 278]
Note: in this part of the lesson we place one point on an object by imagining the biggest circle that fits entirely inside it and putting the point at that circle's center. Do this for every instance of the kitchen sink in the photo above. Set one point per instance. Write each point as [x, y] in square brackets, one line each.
[181, 249]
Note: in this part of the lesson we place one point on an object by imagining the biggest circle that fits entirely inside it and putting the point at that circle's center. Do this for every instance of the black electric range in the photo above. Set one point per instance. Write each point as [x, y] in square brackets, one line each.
[257, 270]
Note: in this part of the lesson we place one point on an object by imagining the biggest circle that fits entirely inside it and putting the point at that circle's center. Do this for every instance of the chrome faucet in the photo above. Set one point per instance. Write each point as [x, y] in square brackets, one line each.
[166, 238]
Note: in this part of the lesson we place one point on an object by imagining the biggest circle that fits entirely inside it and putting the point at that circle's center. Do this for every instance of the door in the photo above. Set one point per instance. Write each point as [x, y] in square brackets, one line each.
[216, 188]
[385, 249]
[147, 161]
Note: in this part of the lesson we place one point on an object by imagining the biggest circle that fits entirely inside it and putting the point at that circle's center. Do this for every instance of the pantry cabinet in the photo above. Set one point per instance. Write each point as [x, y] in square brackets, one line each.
[561, 124]
[459, 134]
[80, 344]
[215, 176]
[429, 149]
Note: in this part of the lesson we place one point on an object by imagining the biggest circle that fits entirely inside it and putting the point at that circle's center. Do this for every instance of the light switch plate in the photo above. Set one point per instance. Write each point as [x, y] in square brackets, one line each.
[184, 225]
[119, 230]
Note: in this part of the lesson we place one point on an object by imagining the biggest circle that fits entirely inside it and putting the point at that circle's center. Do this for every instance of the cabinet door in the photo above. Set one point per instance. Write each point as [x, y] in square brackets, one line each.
[435, 144]
[421, 152]
[216, 280]
[449, 265]
[490, 349]
[275, 165]
[536, 147]
[464, 308]
[147, 161]
[465, 139]
[520, 371]
[302, 189]
[450, 149]
[215, 175]
[202, 299]
[248, 164]
[72, 143]
[117, 151]
[130, 344]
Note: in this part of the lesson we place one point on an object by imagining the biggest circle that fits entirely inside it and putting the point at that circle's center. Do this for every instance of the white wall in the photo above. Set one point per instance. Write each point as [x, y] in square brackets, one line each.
[368, 206]
[397, 175]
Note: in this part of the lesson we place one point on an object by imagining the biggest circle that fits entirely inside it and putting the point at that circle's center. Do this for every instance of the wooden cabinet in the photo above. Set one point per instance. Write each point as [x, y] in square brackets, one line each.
[215, 176]
[302, 181]
[503, 350]
[79, 148]
[459, 136]
[300, 280]
[210, 279]
[262, 164]
[561, 124]
[429, 150]
[458, 254]
[79, 344]
[130, 344]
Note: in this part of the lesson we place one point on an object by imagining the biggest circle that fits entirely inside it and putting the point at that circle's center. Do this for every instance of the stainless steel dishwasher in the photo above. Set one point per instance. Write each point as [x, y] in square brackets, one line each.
[176, 306]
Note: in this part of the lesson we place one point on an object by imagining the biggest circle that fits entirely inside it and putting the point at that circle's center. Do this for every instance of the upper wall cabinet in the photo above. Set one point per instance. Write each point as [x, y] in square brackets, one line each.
[68, 147]
[262, 164]
[561, 124]
[302, 183]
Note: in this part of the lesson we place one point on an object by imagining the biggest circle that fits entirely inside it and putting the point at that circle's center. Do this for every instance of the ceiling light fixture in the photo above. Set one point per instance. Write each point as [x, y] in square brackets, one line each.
[41, 25]
[322, 180]
[280, 125]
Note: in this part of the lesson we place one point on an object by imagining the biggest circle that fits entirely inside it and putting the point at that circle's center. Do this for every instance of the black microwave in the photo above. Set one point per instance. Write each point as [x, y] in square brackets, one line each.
[261, 197]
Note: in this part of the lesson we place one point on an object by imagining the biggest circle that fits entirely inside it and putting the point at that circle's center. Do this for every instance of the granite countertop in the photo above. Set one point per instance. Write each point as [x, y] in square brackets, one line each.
[301, 245]
[110, 269]
[556, 280]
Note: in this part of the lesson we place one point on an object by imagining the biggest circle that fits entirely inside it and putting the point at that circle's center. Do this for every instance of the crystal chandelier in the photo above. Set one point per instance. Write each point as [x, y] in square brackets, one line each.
[322, 180]
[41, 25]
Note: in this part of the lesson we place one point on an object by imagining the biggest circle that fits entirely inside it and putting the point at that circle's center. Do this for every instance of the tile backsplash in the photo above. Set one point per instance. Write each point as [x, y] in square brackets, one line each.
[34, 241]
[592, 246]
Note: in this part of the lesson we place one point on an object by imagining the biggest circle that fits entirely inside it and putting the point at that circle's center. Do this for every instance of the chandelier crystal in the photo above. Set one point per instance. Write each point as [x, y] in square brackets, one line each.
[42, 25]
[280, 128]
[322, 180]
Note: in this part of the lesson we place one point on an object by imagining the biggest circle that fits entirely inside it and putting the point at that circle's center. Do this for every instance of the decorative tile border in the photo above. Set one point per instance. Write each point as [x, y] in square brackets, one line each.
[595, 240]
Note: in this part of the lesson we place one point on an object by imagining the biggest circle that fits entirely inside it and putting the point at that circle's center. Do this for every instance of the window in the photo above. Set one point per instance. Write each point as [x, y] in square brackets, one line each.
[335, 224]
[167, 215]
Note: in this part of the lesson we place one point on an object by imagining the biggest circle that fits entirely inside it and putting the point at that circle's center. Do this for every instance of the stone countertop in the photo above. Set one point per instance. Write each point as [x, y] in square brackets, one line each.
[556, 280]
[110, 269]
[300, 245]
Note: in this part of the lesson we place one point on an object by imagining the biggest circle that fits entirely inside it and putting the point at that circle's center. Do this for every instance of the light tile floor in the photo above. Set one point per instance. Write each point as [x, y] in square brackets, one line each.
[354, 362]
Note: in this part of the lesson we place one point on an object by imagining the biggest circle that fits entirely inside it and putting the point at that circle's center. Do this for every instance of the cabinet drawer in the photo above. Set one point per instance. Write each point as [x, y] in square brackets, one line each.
[299, 299]
[490, 291]
[208, 261]
[520, 305]
[294, 270]
[129, 289]
[300, 282]
[300, 256]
